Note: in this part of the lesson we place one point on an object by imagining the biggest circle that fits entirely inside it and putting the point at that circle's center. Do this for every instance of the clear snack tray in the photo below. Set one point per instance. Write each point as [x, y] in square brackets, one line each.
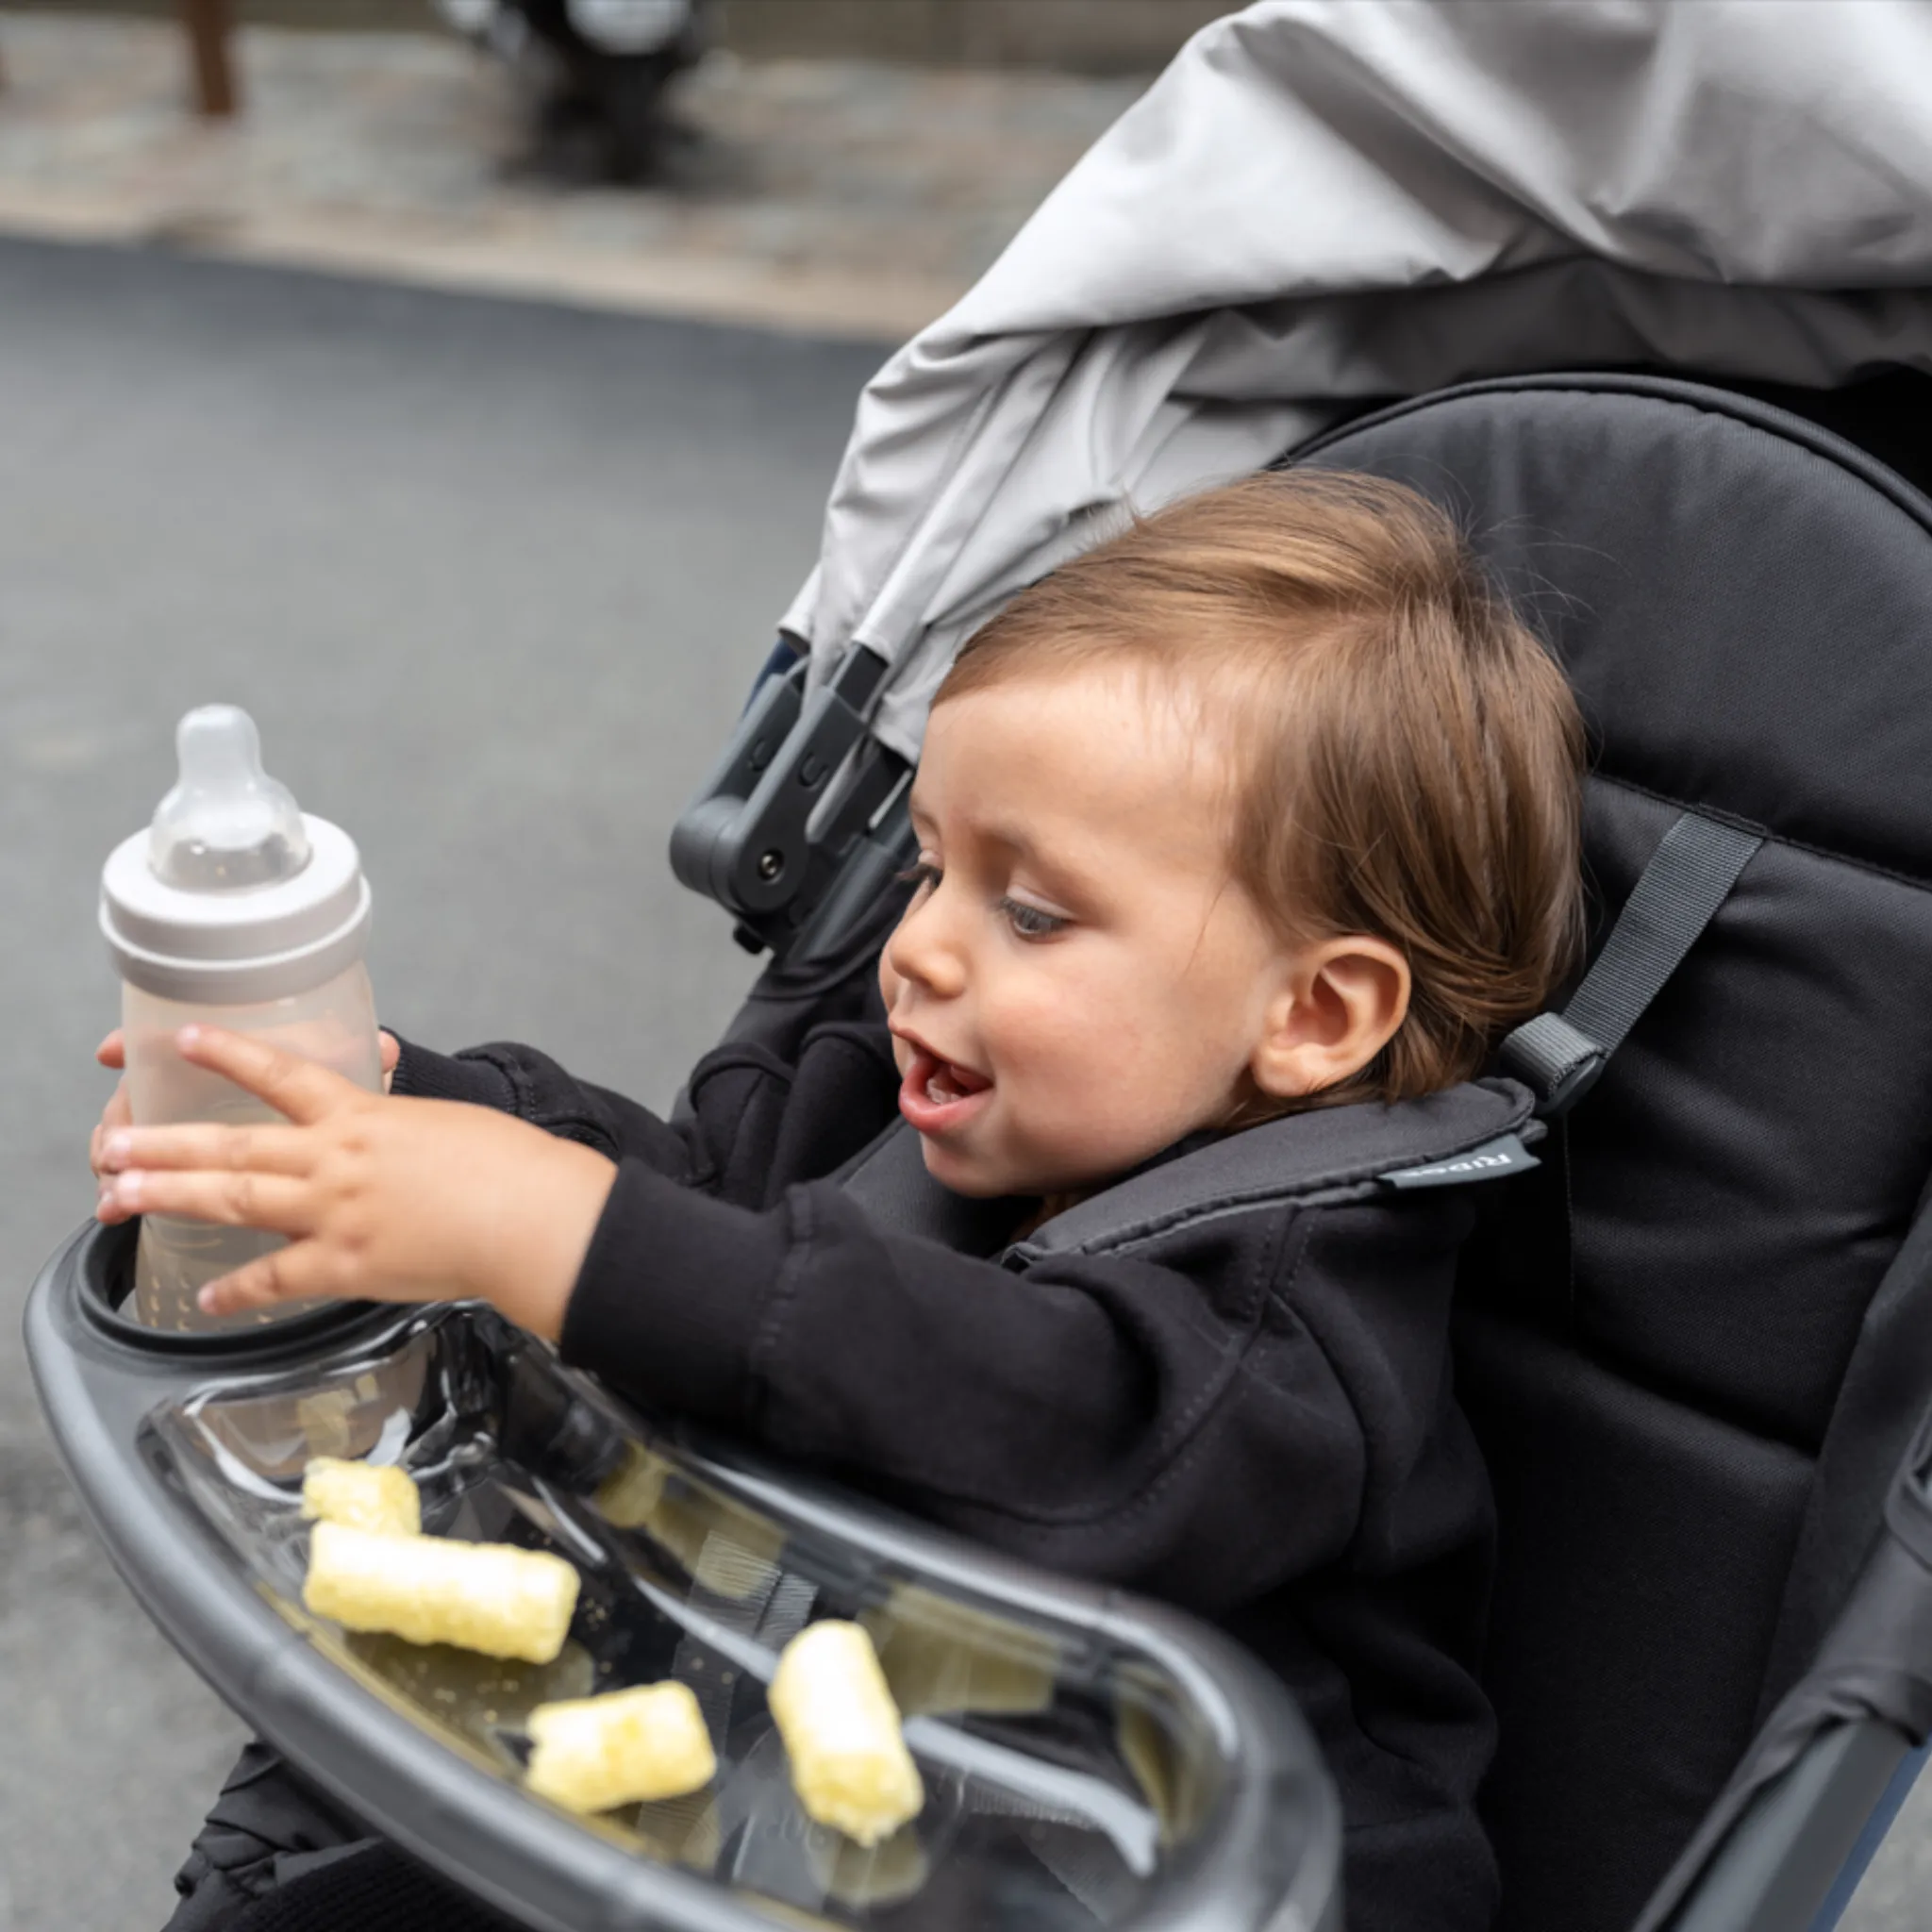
[1089, 1760]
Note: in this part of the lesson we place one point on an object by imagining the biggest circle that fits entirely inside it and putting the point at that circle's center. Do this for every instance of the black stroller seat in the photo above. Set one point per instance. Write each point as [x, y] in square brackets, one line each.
[1695, 1345]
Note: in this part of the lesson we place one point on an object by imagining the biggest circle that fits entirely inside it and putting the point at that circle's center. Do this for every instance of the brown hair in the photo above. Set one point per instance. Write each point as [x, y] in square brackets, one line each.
[1408, 756]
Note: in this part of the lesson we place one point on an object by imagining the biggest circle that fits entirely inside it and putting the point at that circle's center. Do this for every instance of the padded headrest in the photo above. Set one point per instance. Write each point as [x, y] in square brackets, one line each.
[1744, 606]
[1741, 601]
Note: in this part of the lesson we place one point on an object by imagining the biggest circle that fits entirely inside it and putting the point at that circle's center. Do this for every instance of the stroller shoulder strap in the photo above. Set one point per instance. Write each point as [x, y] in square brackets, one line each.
[1469, 1133]
[1474, 1132]
[1559, 1055]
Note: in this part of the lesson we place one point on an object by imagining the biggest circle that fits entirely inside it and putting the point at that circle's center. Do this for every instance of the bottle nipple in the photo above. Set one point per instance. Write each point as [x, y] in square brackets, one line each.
[226, 822]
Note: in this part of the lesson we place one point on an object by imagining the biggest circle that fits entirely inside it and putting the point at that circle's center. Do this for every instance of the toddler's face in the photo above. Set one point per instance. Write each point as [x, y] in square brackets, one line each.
[1079, 982]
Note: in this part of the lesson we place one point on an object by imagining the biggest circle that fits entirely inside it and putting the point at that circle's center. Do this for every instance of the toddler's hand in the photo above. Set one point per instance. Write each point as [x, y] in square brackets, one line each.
[381, 1198]
[112, 1052]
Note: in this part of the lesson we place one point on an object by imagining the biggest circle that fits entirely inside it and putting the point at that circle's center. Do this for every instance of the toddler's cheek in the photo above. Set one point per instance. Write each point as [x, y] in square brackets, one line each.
[888, 992]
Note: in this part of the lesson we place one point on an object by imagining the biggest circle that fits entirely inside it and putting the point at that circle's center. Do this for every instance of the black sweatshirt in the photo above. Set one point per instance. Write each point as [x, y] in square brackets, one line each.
[1251, 1417]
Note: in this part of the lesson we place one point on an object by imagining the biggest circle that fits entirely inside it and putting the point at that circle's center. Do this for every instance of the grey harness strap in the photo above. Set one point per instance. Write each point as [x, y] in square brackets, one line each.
[1469, 1133]
[1474, 1132]
[1559, 1056]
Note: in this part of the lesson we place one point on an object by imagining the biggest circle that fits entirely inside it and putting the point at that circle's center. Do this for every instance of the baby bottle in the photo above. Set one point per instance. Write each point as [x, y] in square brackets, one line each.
[234, 907]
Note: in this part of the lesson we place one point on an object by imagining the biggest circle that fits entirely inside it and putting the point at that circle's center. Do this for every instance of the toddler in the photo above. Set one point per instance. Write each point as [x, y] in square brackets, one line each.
[1267, 805]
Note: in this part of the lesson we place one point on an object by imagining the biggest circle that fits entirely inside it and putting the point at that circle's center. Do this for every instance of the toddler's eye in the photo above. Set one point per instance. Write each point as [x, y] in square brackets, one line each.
[1029, 922]
[919, 875]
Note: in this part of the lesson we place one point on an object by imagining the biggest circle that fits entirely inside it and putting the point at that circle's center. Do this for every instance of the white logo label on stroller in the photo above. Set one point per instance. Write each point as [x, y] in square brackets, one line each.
[1492, 1161]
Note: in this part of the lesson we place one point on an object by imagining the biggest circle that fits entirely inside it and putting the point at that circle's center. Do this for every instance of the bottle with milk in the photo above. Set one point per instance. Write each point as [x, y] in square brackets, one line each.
[237, 909]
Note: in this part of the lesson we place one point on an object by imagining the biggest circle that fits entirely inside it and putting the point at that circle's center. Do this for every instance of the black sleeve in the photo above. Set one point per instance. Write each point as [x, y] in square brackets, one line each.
[1106, 1415]
[531, 1085]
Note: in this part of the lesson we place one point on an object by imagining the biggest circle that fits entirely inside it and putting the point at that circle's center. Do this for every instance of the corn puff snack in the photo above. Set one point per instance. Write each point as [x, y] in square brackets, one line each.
[625, 1748]
[382, 1500]
[490, 1597]
[1170, 1777]
[850, 1766]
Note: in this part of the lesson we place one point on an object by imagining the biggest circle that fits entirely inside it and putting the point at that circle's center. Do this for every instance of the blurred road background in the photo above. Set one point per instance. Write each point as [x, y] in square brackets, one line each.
[849, 196]
[492, 573]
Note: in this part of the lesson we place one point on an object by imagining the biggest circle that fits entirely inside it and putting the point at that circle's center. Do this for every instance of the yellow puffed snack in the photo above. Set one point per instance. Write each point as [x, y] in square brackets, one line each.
[850, 1766]
[490, 1597]
[363, 1495]
[629, 1747]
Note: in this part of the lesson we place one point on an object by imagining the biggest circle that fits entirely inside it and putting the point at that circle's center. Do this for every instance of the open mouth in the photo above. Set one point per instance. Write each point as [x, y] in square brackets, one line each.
[937, 1095]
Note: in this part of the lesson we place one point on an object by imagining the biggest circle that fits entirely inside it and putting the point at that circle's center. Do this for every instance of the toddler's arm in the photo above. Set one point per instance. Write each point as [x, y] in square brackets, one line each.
[1203, 1423]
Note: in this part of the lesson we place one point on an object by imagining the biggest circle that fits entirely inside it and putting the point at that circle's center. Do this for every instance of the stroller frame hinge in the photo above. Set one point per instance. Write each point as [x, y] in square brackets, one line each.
[800, 782]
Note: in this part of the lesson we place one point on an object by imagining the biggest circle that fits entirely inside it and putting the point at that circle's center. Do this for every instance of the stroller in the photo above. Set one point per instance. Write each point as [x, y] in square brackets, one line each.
[1697, 1343]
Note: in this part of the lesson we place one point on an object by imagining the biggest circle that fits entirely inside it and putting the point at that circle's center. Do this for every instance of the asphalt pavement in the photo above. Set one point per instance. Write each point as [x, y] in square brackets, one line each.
[492, 578]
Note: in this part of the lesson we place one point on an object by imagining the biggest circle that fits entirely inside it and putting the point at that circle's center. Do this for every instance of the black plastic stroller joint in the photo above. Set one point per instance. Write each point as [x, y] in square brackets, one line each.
[778, 832]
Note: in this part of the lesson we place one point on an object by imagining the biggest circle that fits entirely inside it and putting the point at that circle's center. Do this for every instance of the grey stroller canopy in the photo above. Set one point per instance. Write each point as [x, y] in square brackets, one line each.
[1326, 203]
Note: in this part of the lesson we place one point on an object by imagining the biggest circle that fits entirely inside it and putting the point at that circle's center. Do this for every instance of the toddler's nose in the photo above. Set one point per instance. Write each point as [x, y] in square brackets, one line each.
[923, 952]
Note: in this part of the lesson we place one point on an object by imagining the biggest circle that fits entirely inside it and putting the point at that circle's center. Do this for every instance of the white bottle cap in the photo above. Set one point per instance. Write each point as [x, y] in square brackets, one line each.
[233, 895]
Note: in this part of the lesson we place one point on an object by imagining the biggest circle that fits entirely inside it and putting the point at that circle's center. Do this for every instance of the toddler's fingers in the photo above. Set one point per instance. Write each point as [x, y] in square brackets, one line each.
[277, 1277]
[302, 1272]
[297, 1088]
[112, 1051]
[269, 1202]
[107, 1209]
[116, 1113]
[206, 1146]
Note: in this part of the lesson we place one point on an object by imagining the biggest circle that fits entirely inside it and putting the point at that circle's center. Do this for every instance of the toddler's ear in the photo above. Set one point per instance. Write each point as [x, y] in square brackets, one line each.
[1337, 1005]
